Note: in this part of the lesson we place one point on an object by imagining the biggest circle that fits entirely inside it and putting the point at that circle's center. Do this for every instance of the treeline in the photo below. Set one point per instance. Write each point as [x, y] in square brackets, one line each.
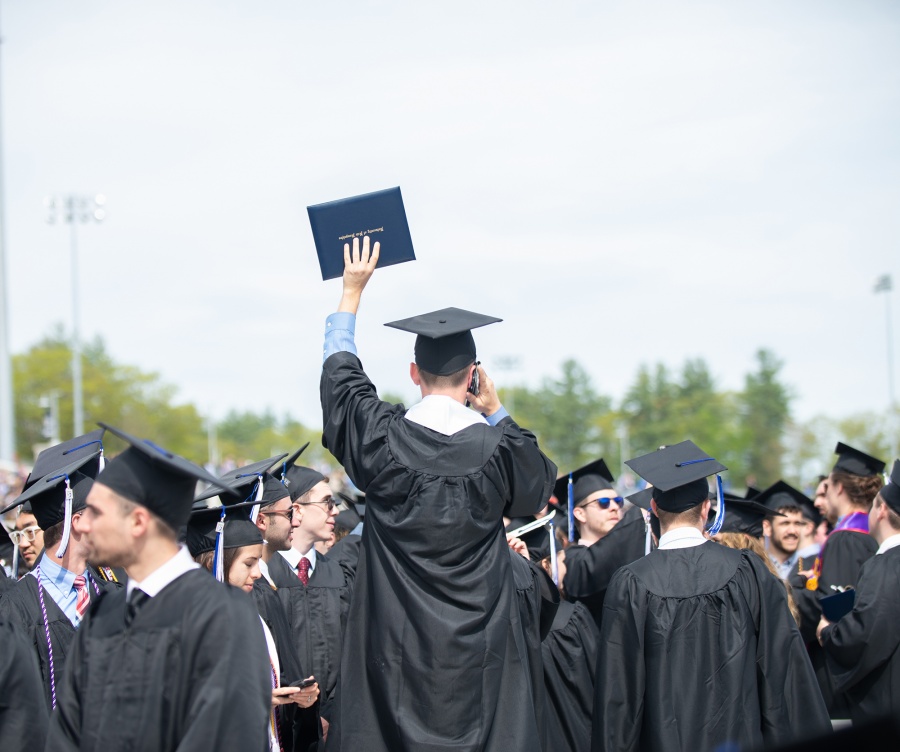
[752, 431]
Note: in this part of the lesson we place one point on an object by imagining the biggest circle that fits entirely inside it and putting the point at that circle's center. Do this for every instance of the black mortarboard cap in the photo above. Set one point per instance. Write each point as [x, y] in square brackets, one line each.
[280, 472]
[47, 496]
[348, 518]
[743, 516]
[301, 479]
[380, 215]
[65, 453]
[238, 530]
[891, 491]
[444, 344]
[593, 477]
[641, 498]
[242, 481]
[752, 492]
[781, 495]
[678, 474]
[855, 462]
[155, 478]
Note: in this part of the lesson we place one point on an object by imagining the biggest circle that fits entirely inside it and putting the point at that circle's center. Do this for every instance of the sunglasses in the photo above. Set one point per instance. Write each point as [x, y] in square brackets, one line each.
[604, 503]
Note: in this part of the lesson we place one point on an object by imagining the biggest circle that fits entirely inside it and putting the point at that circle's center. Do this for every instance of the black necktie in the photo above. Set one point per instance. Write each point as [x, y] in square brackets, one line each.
[137, 599]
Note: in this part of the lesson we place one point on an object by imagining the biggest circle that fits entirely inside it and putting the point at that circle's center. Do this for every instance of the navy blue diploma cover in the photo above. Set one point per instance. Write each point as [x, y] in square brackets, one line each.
[379, 215]
[837, 605]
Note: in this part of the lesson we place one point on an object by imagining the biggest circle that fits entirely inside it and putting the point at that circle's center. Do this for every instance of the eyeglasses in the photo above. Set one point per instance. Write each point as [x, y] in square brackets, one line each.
[28, 533]
[329, 503]
[604, 503]
[288, 514]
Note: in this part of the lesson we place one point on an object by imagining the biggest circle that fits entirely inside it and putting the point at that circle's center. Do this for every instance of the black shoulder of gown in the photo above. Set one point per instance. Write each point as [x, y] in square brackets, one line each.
[191, 672]
[23, 711]
[863, 648]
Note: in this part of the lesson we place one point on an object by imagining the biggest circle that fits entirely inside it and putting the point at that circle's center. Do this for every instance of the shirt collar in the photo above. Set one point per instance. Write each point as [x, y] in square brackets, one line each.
[681, 537]
[264, 571]
[293, 557]
[443, 414]
[57, 574]
[888, 544]
[154, 582]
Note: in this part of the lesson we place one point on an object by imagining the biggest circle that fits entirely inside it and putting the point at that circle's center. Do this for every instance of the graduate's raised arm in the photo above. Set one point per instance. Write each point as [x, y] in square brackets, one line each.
[358, 268]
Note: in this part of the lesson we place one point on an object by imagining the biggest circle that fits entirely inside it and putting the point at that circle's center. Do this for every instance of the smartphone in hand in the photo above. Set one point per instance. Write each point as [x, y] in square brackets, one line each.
[303, 683]
[475, 383]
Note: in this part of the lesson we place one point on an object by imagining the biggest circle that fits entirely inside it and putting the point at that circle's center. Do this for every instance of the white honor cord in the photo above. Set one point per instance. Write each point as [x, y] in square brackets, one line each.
[520, 531]
[648, 540]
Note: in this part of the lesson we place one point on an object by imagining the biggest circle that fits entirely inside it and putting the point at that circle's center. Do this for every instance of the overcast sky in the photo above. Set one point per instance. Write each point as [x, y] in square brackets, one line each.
[622, 183]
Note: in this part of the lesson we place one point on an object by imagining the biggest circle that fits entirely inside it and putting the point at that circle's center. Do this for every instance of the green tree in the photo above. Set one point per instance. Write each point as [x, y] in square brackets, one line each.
[765, 414]
[564, 414]
[124, 396]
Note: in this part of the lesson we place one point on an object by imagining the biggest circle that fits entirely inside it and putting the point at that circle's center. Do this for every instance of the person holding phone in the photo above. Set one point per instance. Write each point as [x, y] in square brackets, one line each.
[436, 654]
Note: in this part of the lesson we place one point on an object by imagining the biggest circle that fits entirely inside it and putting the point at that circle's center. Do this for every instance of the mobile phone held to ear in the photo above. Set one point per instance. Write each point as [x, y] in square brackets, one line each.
[303, 683]
[475, 383]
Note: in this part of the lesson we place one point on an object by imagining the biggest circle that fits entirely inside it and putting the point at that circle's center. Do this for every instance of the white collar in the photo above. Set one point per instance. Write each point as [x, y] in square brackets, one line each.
[443, 414]
[154, 582]
[888, 544]
[681, 537]
[293, 557]
[264, 571]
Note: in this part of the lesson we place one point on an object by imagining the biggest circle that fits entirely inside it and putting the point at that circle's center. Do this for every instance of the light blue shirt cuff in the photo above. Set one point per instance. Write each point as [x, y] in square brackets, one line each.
[497, 416]
[340, 329]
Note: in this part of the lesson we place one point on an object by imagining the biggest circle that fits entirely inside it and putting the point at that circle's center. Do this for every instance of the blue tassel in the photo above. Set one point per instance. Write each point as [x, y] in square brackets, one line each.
[571, 511]
[219, 555]
[720, 512]
[554, 564]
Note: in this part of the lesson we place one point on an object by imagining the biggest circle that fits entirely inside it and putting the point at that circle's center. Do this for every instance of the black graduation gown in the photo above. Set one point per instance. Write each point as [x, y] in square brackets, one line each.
[538, 601]
[432, 660]
[698, 648]
[298, 727]
[842, 559]
[23, 711]
[570, 659]
[317, 614]
[6, 582]
[589, 569]
[862, 650]
[21, 607]
[192, 672]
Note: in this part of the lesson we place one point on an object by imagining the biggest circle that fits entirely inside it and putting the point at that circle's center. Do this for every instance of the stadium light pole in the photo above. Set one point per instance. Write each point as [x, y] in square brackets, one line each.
[74, 209]
[7, 409]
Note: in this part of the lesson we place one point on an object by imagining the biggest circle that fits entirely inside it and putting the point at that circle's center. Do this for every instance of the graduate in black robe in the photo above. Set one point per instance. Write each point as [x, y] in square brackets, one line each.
[862, 649]
[432, 657]
[848, 547]
[569, 653]
[180, 661]
[317, 611]
[697, 645]
[589, 569]
[30, 604]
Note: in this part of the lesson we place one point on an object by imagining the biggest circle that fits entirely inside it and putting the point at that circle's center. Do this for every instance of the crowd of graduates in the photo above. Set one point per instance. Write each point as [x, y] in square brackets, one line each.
[469, 596]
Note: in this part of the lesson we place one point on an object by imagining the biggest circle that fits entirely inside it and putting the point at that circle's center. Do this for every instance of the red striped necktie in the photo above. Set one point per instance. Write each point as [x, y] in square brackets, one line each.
[303, 570]
[84, 598]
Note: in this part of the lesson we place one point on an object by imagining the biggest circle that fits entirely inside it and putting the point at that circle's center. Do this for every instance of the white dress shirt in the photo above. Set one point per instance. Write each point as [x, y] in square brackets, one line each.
[293, 557]
[681, 537]
[443, 414]
[153, 583]
[888, 544]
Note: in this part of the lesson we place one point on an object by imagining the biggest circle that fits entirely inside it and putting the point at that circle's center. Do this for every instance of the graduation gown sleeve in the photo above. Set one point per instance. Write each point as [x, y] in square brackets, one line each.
[862, 650]
[845, 553]
[23, 713]
[589, 569]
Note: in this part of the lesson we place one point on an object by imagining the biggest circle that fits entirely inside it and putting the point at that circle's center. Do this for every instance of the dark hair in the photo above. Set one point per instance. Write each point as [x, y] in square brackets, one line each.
[205, 560]
[862, 490]
[450, 381]
[53, 534]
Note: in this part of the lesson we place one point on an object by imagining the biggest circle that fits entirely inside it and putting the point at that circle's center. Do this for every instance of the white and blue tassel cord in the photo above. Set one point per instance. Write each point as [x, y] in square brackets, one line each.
[720, 511]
